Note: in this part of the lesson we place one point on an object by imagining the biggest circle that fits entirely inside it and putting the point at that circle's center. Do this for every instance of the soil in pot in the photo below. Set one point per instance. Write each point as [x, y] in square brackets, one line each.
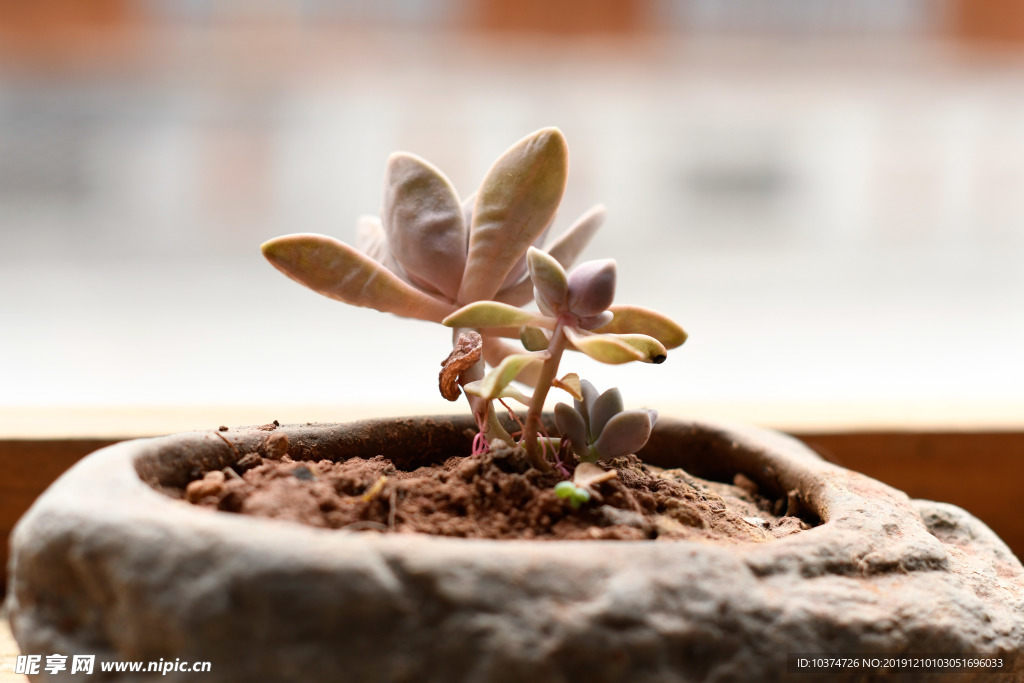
[493, 495]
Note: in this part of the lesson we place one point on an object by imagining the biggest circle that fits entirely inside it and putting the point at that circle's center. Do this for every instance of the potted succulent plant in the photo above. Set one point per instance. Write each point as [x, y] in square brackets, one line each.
[499, 545]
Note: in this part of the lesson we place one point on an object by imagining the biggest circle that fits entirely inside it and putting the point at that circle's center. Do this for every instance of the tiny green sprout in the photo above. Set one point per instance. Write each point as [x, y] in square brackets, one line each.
[577, 495]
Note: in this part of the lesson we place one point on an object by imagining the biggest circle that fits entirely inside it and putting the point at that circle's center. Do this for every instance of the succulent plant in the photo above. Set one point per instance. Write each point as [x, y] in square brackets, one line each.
[429, 252]
[472, 264]
[576, 312]
[599, 428]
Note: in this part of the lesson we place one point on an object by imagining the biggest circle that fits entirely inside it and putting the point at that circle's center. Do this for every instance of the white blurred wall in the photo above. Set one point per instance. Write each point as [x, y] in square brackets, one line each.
[837, 223]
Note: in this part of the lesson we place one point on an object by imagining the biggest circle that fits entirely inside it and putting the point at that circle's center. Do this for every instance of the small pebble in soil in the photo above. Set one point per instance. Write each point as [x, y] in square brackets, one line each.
[276, 446]
[248, 461]
[304, 473]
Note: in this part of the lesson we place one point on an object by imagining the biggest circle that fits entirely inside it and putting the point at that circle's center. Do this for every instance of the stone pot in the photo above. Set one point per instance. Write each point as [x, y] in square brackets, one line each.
[105, 564]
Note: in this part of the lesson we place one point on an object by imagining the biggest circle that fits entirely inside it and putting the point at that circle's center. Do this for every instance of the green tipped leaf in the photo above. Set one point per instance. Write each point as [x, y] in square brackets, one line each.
[653, 350]
[424, 224]
[481, 314]
[518, 294]
[566, 249]
[602, 347]
[341, 272]
[625, 433]
[500, 377]
[570, 384]
[515, 203]
[639, 320]
[479, 388]
[496, 351]
[533, 338]
[550, 283]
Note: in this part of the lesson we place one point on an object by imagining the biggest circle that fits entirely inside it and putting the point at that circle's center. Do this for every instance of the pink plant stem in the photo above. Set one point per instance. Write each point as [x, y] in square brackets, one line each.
[547, 375]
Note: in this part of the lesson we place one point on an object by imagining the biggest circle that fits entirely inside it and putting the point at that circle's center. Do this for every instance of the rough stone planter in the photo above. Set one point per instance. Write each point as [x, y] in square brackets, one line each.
[103, 563]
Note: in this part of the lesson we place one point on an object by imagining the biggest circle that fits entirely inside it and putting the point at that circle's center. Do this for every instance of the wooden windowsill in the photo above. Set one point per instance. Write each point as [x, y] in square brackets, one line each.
[968, 457]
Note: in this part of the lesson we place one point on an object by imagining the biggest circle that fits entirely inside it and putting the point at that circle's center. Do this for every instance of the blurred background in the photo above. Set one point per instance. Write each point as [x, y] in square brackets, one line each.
[827, 195]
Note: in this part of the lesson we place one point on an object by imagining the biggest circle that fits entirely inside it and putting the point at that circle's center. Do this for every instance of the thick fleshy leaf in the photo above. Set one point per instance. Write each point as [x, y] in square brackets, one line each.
[495, 381]
[592, 287]
[589, 393]
[625, 433]
[571, 243]
[566, 249]
[496, 351]
[518, 294]
[519, 270]
[653, 350]
[341, 272]
[550, 283]
[569, 384]
[371, 240]
[571, 426]
[595, 321]
[481, 314]
[533, 338]
[424, 223]
[479, 388]
[605, 348]
[467, 210]
[515, 203]
[603, 409]
[636, 319]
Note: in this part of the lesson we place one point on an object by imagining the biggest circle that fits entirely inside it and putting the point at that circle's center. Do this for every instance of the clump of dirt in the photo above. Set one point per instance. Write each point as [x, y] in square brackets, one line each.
[491, 495]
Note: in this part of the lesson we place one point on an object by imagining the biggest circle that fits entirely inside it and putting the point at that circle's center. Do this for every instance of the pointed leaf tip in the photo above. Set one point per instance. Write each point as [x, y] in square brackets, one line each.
[625, 433]
[639, 320]
[424, 223]
[550, 283]
[605, 348]
[483, 314]
[592, 287]
[515, 203]
[341, 272]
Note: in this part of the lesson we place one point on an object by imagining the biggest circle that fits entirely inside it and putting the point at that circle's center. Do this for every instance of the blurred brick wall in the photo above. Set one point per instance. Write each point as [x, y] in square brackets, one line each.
[562, 17]
[988, 22]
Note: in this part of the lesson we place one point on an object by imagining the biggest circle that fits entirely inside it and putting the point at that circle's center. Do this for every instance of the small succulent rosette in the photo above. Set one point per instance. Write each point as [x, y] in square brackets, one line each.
[599, 427]
[576, 313]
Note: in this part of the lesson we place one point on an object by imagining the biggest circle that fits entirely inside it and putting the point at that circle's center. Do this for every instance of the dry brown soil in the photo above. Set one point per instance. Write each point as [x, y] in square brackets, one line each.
[493, 495]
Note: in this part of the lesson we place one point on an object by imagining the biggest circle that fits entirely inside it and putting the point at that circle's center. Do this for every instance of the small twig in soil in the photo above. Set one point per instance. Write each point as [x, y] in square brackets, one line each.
[230, 445]
[372, 492]
[392, 509]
